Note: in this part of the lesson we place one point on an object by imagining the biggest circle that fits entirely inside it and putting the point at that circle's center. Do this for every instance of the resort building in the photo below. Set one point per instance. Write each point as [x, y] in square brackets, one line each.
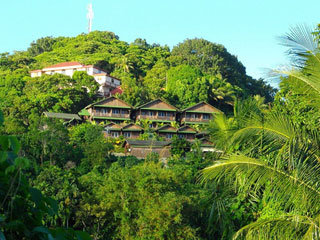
[187, 132]
[200, 113]
[156, 111]
[107, 82]
[167, 132]
[130, 130]
[142, 148]
[110, 109]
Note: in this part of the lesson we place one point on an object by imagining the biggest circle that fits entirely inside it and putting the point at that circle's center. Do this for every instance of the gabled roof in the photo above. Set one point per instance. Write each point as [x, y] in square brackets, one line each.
[148, 143]
[167, 128]
[189, 109]
[66, 116]
[206, 142]
[132, 127]
[144, 106]
[101, 101]
[100, 74]
[64, 64]
[112, 126]
[186, 129]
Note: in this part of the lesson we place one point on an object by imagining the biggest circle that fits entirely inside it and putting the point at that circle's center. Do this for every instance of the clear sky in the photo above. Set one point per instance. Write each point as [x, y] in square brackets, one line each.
[247, 28]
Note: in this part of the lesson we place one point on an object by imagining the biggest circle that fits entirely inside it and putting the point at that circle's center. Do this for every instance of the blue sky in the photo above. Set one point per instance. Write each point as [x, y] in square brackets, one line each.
[247, 28]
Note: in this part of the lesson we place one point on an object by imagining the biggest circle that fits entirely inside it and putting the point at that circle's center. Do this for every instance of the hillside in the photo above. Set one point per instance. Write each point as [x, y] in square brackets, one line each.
[195, 70]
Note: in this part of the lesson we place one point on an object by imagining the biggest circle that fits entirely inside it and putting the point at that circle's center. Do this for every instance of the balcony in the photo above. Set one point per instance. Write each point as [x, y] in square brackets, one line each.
[200, 120]
[155, 117]
[111, 115]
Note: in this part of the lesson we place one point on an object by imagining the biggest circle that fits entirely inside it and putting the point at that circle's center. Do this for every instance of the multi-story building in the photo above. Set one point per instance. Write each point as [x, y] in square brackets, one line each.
[157, 111]
[130, 130]
[107, 82]
[167, 131]
[200, 113]
[187, 132]
[110, 109]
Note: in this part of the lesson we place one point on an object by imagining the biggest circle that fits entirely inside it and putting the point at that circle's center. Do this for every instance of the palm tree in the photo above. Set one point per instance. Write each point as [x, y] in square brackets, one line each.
[278, 158]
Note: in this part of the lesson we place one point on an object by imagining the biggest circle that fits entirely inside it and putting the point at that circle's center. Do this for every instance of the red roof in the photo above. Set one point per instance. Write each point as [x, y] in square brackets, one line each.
[100, 74]
[37, 70]
[116, 90]
[65, 64]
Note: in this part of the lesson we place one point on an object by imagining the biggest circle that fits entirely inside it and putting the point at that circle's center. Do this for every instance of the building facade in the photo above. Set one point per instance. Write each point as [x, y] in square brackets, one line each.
[200, 113]
[107, 82]
[156, 111]
[165, 120]
[131, 130]
[110, 109]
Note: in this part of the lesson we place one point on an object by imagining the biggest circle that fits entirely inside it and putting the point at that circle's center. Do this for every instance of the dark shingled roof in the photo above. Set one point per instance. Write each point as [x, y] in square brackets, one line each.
[214, 109]
[66, 116]
[143, 105]
[148, 143]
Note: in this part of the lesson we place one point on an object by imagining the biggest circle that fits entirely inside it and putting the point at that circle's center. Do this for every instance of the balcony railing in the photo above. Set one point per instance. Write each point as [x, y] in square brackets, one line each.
[155, 117]
[116, 115]
[196, 120]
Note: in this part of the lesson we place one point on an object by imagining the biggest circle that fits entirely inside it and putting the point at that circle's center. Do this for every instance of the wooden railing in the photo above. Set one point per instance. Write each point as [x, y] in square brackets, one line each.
[196, 120]
[155, 117]
[120, 115]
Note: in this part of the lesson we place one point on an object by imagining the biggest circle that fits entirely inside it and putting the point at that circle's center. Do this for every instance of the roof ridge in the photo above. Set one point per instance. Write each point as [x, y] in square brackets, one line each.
[158, 99]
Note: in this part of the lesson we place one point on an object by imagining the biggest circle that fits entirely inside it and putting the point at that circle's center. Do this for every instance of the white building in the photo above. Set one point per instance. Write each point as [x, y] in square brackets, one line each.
[107, 82]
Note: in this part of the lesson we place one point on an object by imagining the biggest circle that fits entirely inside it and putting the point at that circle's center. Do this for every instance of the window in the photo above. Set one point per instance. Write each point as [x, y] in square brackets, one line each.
[206, 116]
[188, 115]
[124, 111]
[144, 112]
[193, 115]
[161, 114]
[197, 116]
[181, 136]
[127, 134]
[169, 135]
[112, 80]
[115, 111]
[151, 113]
[114, 134]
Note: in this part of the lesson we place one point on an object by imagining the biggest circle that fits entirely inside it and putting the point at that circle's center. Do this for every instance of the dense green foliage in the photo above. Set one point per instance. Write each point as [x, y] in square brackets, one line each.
[123, 197]
[195, 70]
[274, 153]
[22, 207]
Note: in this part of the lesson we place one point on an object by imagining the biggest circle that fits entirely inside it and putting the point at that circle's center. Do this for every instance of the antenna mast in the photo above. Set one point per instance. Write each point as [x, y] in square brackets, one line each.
[90, 16]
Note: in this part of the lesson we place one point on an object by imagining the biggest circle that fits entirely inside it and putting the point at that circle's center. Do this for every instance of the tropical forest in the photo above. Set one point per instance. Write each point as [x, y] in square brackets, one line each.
[68, 180]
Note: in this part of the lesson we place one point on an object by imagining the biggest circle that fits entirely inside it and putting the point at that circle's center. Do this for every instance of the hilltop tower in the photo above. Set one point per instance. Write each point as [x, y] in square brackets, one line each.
[90, 16]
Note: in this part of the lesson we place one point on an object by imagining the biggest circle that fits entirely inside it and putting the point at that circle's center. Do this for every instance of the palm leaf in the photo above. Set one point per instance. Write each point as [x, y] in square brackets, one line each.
[284, 227]
[301, 43]
[296, 189]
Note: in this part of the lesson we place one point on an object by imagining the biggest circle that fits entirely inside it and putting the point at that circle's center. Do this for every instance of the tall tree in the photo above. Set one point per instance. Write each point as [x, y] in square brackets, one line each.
[278, 158]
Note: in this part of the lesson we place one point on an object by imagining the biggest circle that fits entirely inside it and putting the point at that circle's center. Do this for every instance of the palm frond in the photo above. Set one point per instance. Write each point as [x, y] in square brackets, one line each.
[221, 130]
[284, 227]
[301, 43]
[310, 79]
[269, 133]
[298, 189]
